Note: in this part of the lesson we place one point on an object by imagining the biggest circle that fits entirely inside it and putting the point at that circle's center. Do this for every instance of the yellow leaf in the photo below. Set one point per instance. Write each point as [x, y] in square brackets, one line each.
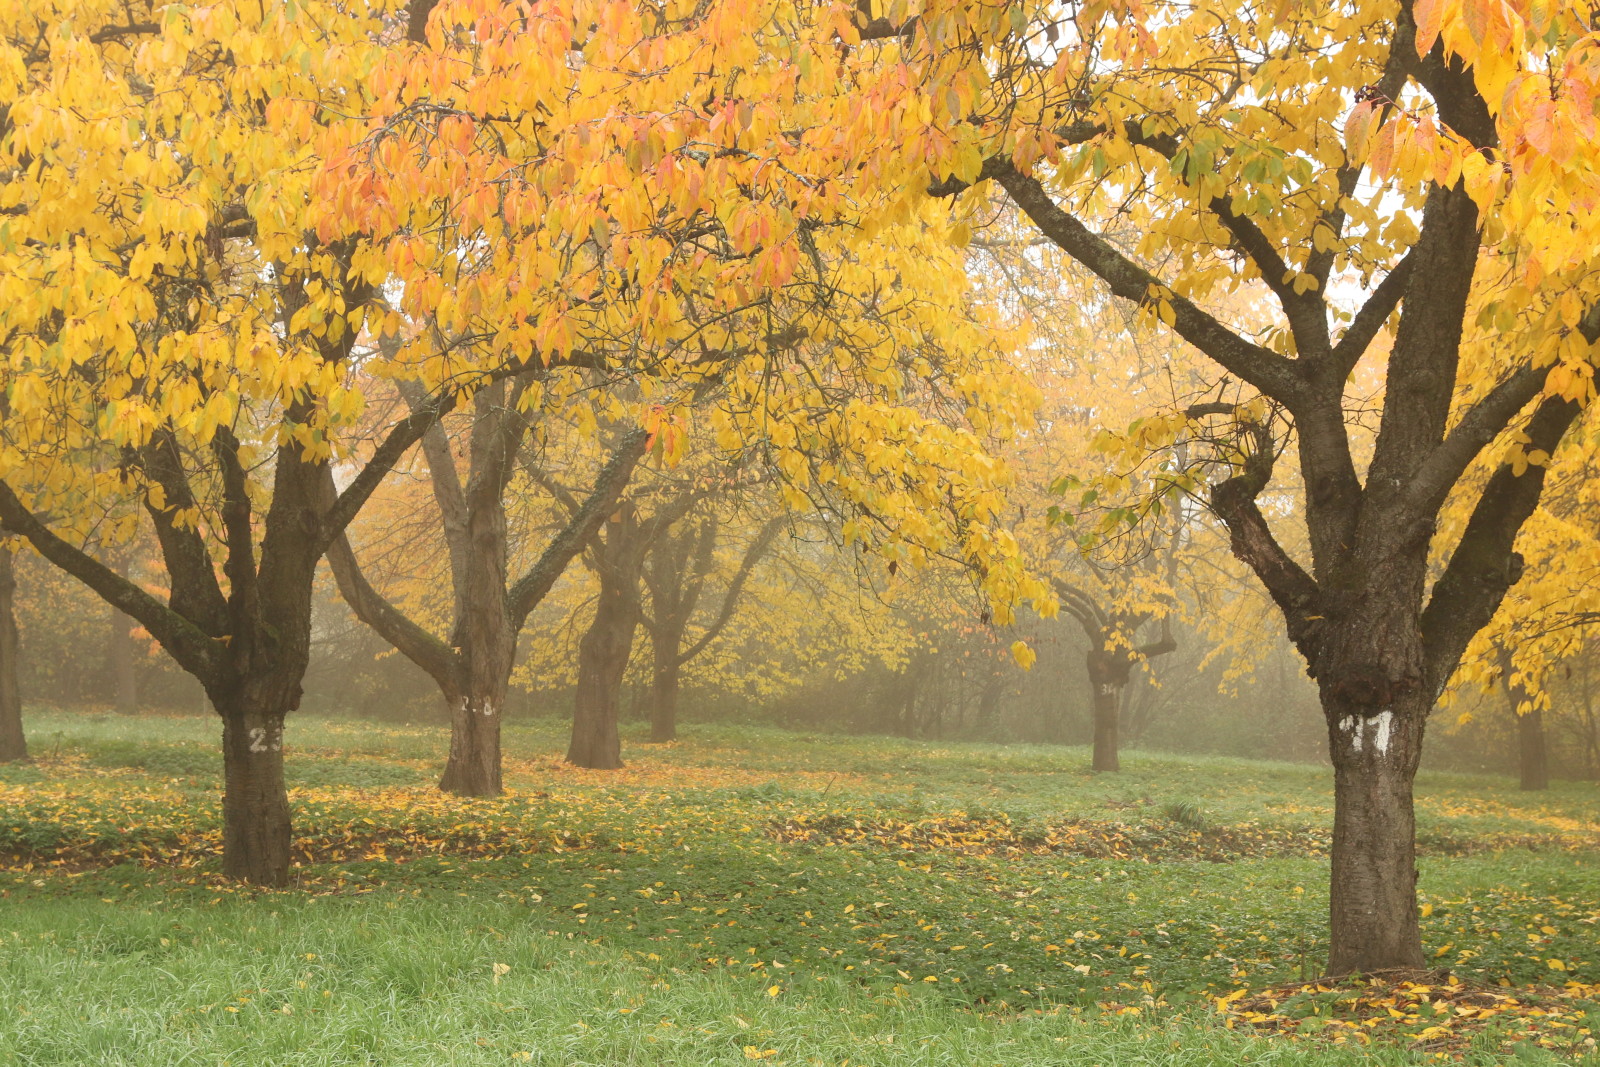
[1357, 127]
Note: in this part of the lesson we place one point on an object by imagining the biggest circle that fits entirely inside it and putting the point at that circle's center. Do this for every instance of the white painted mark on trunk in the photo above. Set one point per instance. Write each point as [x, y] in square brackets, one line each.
[263, 740]
[1351, 724]
[1384, 721]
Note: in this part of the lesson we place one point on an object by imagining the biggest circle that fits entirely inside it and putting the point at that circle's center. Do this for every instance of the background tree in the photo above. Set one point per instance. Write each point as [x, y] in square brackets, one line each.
[473, 666]
[1545, 621]
[585, 159]
[679, 574]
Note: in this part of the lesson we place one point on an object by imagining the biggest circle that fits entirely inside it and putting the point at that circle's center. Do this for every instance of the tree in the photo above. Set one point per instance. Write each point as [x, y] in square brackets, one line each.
[577, 179]
[616, 554]
[1533, 753]
[617, 557]
[1214, 131]
[677, 573]
[179, 336]
[473, 667]
[1110, 660]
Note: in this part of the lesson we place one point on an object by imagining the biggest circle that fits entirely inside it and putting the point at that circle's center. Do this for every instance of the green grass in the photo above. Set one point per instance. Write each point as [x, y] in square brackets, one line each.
[966, 906]
[394, 979]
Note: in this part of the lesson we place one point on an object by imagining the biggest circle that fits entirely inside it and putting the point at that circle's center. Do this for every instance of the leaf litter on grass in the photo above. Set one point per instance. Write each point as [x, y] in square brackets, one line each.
[1432, 1012]
[783, 876]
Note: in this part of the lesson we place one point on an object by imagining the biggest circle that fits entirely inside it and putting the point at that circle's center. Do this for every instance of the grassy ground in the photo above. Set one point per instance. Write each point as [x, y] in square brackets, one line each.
[756, 895]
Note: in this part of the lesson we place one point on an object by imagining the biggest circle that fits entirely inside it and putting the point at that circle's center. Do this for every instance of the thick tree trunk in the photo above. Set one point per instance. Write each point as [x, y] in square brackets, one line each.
[1533, 752]
[1373, 901]
[602, 661]
[1108, 675]
[13, 742]
[255, 803]
[664, 684]
[597, 704]
[488, 642]
[604, 652]
[473, 769]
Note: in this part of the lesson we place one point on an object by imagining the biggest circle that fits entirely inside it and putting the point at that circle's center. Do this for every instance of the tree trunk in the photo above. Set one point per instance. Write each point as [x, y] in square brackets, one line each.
[908, 700]
[473, 769]
[597, 705]
[124, 661]
[255, 803]
[13, 742]
[664, 696]
[602, 661]
[1108, 675]
[486, 637]
[989, 699]
[1373, 902]
[1533, 751]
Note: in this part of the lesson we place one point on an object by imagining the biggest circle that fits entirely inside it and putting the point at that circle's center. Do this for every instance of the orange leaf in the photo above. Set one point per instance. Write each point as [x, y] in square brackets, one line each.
[1429, 15]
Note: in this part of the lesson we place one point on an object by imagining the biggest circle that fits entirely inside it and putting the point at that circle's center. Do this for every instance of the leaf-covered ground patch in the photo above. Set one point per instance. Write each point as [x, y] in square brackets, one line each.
[977, 835]
[964, 834]
[1011, 887]
[1435, 1013]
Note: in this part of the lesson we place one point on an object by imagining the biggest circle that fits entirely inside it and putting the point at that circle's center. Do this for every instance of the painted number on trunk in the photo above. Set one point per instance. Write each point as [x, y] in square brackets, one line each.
[262, 740]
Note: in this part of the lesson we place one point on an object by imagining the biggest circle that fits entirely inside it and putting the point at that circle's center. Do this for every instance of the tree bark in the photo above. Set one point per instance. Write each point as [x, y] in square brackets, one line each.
[473, 767]
[484, 631]
[607, 645]
[664, 683]
[1533, 750]
[13, 741]
[1108, 674]
[602, 661]
[1373, 902]
[255, 803]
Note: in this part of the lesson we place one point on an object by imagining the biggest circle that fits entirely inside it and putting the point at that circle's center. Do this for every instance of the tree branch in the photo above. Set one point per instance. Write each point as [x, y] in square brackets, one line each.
[609, 484]
[1250, 536]
[238, 536]
[1475, 430]
[400, 438]
[196, 593]
[1369, 319]
[409, 639]
[186, 642]
[1483, 566]
[1269, 372]
[752, 555]
[1081, 606]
